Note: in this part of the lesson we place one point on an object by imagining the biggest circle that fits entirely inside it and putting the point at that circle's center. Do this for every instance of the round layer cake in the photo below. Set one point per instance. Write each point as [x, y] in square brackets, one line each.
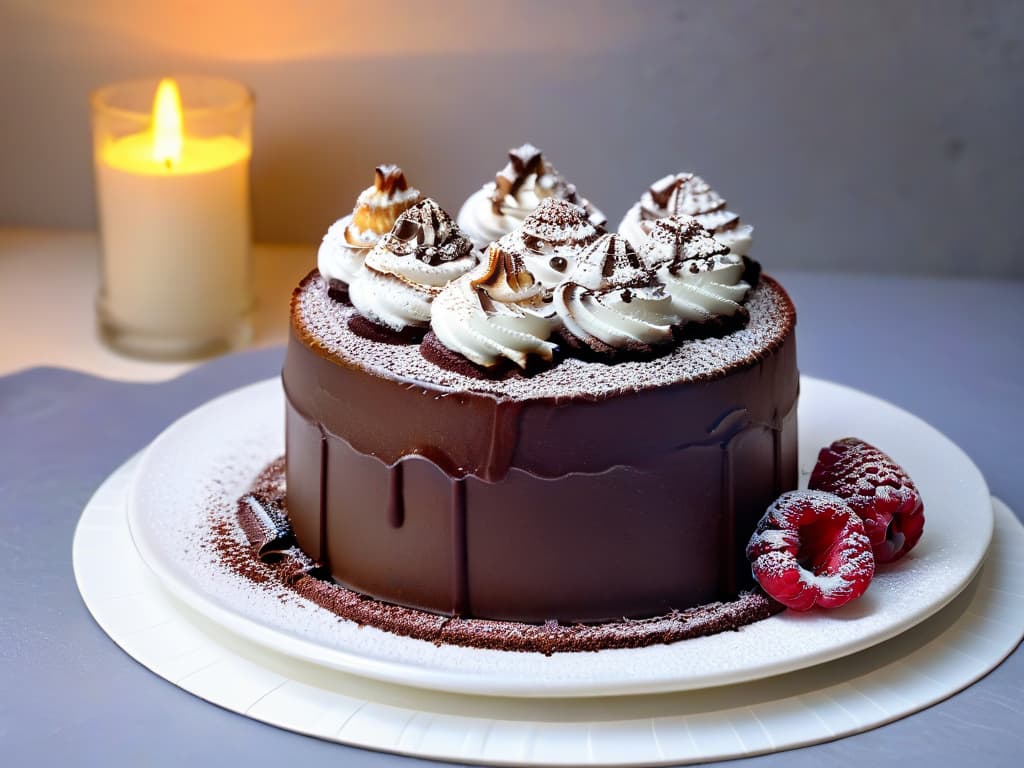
[581, 492]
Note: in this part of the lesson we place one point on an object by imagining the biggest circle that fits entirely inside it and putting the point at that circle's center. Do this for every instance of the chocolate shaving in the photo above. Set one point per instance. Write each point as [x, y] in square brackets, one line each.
[509, 265]
[426, 232]
[389, 179]
[662, 189]
[523, 162]
[270, 534]
[695, 197]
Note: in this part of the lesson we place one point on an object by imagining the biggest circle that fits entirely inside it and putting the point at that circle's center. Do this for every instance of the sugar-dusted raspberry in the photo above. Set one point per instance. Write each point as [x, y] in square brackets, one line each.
[810, 549]
[878, 490]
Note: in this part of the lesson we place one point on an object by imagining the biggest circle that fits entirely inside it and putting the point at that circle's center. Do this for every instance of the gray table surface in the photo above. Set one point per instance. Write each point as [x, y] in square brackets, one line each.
[947, 350]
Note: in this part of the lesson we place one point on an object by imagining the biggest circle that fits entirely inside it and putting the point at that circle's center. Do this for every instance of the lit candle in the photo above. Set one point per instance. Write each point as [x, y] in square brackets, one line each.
[173, 203]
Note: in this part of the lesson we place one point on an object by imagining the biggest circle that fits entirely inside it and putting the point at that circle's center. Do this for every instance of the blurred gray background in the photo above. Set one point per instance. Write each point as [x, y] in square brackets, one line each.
[860, 136]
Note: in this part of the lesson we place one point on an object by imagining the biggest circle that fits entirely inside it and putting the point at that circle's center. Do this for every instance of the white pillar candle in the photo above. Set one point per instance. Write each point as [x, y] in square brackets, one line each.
[174, 220]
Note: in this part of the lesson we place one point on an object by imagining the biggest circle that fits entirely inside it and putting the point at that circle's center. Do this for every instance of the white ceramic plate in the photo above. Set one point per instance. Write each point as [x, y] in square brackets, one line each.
[214, 452]
[916, 669]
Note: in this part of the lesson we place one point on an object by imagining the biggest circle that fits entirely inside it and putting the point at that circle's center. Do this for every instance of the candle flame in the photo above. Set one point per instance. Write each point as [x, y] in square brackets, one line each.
[168, 123]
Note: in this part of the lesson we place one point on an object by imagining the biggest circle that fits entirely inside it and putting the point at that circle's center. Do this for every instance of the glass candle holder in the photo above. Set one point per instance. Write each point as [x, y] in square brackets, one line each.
[171, 159]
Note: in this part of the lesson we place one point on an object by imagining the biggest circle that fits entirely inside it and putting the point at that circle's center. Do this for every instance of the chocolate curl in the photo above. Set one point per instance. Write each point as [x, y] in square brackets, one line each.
[694, 197]
[611, 262]
[389, 178]
[661, 190]
[505, 266]
[427, 231]
[266, 528]
[523, 162]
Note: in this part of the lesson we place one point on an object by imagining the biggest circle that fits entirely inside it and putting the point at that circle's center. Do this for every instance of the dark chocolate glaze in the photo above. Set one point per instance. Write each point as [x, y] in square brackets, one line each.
[396, 496]
[575, 509]
[271, 561]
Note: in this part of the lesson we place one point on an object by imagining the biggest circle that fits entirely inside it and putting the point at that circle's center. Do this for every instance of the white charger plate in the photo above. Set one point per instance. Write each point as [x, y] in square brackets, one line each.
[928, 663]
[214, 452]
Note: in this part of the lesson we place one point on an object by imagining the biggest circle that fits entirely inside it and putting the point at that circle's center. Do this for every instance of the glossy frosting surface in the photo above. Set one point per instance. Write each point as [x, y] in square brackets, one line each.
[585, 492]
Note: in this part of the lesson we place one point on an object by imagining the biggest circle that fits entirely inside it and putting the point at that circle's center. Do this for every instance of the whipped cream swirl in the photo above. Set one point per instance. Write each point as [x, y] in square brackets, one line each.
[528, 179]
[613, 303]
[684, 194]
[551, 238]
[497, 311]
[350, 238]
[408, 267]
[704, 280]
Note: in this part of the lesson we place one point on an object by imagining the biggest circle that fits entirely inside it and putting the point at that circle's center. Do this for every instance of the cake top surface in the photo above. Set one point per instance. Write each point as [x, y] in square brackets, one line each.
[323, 322]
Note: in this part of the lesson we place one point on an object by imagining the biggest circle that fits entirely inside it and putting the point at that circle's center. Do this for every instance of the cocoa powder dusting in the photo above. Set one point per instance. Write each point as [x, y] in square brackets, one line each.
[256, 544]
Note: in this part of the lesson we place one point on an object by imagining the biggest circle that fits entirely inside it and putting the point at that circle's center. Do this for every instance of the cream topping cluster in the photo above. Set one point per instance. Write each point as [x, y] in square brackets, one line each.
[505, 308]
[350, 238]
[409, 266]
[684, 194]
[502, 205]
[555, 279]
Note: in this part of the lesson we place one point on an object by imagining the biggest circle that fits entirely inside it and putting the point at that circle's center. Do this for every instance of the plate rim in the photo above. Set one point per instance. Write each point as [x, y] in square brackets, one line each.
[781, 715]
[455, 681]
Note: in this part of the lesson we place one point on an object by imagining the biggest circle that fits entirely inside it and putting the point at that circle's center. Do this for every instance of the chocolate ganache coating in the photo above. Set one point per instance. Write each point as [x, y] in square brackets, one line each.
[585, 493]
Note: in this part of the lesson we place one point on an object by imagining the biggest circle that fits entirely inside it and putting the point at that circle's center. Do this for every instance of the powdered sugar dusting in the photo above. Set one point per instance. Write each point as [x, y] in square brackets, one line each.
[810, 549]
[877, 489]
[772, 317]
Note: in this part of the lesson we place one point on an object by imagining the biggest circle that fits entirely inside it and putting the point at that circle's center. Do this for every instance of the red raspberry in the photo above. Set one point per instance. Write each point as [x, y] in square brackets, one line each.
[878, 490]
[810, 549]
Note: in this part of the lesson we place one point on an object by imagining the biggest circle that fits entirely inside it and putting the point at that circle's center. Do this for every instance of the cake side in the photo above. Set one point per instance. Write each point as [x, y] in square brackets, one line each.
[257, 544]
[521, 422]
[586, 492]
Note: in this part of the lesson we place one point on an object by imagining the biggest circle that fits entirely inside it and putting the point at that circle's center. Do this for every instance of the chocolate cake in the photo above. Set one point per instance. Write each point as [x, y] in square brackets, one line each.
[588, 431]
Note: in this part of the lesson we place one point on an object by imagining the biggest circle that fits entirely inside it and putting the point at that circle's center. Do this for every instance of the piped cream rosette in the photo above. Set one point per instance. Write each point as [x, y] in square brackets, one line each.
[551, 238]
[351, 238]
[409, 266]
[499, 311]
[684, 194]
[703, 278]
[518, 189]
[613, 304]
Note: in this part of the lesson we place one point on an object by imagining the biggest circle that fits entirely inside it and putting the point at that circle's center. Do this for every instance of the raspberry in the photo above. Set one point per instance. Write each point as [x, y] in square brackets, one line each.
[810, 549]
[878, 490]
